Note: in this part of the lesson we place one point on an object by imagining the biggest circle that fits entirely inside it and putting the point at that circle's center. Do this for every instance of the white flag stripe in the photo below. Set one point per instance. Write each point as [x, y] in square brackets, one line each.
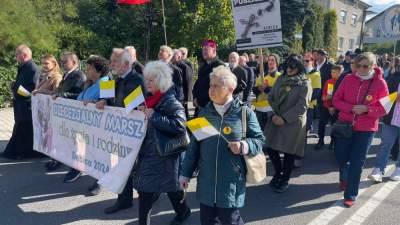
[205, 132]
[134, 103]
[107, 93]
[264, 109]
[386, 103]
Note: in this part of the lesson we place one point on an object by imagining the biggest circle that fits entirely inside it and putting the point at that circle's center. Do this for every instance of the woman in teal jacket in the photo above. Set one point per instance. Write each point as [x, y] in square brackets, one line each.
[221, 182]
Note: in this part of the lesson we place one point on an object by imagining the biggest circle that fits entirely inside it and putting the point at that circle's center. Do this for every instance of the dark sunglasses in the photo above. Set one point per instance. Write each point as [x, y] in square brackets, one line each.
[292, 66]
[363, 66]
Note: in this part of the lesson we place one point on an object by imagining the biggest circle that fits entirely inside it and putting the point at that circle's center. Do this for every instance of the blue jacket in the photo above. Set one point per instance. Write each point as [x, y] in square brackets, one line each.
[153, 173]
[92, 93]
[222, 175]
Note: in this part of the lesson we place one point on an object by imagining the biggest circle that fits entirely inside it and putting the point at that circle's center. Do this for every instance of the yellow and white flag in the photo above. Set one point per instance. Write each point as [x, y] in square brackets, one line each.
[387, 102]
[107, 89]
[330, 89]
[134, 99]
[201, 128]
[262, 106]
[23, 92]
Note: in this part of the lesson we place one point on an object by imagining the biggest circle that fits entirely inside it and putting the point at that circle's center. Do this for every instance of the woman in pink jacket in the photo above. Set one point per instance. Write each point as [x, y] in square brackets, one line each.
[357, 100]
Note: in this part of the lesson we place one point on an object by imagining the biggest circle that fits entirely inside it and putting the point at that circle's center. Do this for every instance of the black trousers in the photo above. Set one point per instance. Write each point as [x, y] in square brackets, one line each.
[126, 196]
[147, 199]
[219, 216]
[324, 118]
[283, 170]
[395, 150]
[21, 141]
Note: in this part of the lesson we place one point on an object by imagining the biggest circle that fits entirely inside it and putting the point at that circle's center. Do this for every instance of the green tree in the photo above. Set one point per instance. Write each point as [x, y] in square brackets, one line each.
[313, 31]
[330, 32]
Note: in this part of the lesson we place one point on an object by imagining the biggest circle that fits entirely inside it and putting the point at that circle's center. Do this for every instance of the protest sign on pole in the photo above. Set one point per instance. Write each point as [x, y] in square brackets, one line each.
[257, 23]
[103, 144]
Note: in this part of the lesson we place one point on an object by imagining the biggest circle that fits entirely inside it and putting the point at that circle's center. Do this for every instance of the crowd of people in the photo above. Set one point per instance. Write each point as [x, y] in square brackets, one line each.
[281, 99]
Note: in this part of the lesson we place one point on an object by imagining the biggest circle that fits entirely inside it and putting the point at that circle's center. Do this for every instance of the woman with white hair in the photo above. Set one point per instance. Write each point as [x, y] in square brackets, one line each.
[157, 165]
[221, 182]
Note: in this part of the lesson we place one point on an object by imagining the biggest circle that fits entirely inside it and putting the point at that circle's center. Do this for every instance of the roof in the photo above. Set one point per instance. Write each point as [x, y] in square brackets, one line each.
[377, 15]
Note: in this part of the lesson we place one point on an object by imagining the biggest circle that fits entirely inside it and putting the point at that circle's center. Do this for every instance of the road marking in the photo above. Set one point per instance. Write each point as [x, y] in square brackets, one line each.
[14, 163]
[368, 208]
[42, 196]
[336, 208]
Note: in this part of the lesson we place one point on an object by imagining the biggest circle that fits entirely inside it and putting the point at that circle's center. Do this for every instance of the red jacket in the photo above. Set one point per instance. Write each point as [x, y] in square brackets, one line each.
[350, 93]
[328, 102]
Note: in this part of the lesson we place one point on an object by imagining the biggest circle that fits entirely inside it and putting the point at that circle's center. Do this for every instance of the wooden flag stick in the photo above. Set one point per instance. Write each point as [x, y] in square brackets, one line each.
[261, 58]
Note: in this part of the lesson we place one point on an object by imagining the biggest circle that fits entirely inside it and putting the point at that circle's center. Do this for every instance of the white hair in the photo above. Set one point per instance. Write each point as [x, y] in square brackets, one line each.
[235, 54]
[184, 51]
[224, 76]
[177, 51]
[24, 49]
[161, 73]
[132, 51]
[169, 50]
[126, 57]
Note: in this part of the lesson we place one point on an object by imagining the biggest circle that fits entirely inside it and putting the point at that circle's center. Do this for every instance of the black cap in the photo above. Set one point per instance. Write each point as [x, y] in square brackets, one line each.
[349, 53]
[322, 52]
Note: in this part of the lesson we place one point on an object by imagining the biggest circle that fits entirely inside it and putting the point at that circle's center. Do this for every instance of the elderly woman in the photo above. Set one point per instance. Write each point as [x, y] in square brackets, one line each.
[154, 173]
[221, 182]
[96, 71]
[357, 100]
[50, 76]
[286, 128]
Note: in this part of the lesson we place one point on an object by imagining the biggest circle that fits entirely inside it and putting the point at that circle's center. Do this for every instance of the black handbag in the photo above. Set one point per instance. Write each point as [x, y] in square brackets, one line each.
[167, 145]
[342, 129]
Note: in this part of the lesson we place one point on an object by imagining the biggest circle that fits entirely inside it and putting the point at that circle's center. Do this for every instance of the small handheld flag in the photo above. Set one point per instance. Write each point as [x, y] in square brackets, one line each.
[387, 102]
[201, 128]
[23, 92]
[262, 106]
[134, 99]
[107, 89]
[330, 89]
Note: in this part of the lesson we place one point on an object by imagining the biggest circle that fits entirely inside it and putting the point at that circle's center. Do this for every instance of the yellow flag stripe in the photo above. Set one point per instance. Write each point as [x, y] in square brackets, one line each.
[197, 123]
[107, 85]
[132, 96]
[393, 97]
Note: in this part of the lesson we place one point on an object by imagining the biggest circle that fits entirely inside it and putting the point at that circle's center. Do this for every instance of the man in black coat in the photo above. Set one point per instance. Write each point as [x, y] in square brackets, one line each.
[21, 141]
[70, 87]
[185, 60]
[165, 54]
[136, 65]
[187, 78]
[324, 67]
[253, 63]
[241, 76]
[128, 80]
[250, 80]
[202, 84]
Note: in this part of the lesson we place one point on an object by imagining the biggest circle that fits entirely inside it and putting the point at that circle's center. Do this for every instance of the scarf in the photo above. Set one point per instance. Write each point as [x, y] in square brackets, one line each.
[153, 100]
[367, 77]
[287, 84]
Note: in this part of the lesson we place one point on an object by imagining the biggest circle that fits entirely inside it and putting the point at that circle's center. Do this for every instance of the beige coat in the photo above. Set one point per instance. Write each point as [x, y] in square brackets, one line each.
[289, 138]
[49, 84]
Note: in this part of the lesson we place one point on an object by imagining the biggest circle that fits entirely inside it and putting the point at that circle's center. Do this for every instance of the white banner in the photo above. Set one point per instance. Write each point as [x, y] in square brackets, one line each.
[257, 23]
[103, 144]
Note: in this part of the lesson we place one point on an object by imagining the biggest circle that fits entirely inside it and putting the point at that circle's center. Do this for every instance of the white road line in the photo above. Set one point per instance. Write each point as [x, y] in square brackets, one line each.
[329, 214]
[368, 208]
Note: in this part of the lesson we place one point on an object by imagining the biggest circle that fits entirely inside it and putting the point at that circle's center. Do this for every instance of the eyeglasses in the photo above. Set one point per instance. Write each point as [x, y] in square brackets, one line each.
[363, 66]
[306, 61]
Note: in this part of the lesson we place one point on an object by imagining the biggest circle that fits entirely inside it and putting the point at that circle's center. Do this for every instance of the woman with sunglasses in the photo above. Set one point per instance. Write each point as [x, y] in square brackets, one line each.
[357, 100]
[286, 128]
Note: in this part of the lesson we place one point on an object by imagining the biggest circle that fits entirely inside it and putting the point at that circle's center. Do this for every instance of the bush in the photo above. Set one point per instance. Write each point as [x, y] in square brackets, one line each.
[7, 75]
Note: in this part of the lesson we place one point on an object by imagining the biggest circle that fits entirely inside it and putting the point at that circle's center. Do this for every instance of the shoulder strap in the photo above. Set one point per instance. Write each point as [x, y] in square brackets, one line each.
[366, 93]
[244, 122]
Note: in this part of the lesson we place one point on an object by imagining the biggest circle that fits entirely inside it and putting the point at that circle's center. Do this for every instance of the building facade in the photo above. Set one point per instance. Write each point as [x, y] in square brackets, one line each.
[351, 19]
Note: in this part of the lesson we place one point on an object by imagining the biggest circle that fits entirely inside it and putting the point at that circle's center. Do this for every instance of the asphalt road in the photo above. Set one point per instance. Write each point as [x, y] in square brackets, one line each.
[30, 195]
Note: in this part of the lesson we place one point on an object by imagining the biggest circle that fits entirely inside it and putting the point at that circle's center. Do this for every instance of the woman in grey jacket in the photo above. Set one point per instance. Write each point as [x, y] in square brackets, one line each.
[286, 128]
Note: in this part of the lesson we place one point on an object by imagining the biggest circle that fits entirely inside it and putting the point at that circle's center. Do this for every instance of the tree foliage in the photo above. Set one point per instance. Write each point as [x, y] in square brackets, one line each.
[330, 32]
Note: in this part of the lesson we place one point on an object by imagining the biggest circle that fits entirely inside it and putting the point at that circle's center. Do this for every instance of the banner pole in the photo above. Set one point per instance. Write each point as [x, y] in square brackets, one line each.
[261, 59]
[165, 29]
[394, 49]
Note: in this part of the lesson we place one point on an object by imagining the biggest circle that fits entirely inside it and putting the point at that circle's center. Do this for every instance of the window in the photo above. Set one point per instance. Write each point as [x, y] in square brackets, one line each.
[354, 20]
[351, 44]
[340, 44]
[342, 16]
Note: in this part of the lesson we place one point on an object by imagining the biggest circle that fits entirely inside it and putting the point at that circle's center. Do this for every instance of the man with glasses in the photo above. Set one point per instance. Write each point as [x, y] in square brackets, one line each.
[200, 89]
